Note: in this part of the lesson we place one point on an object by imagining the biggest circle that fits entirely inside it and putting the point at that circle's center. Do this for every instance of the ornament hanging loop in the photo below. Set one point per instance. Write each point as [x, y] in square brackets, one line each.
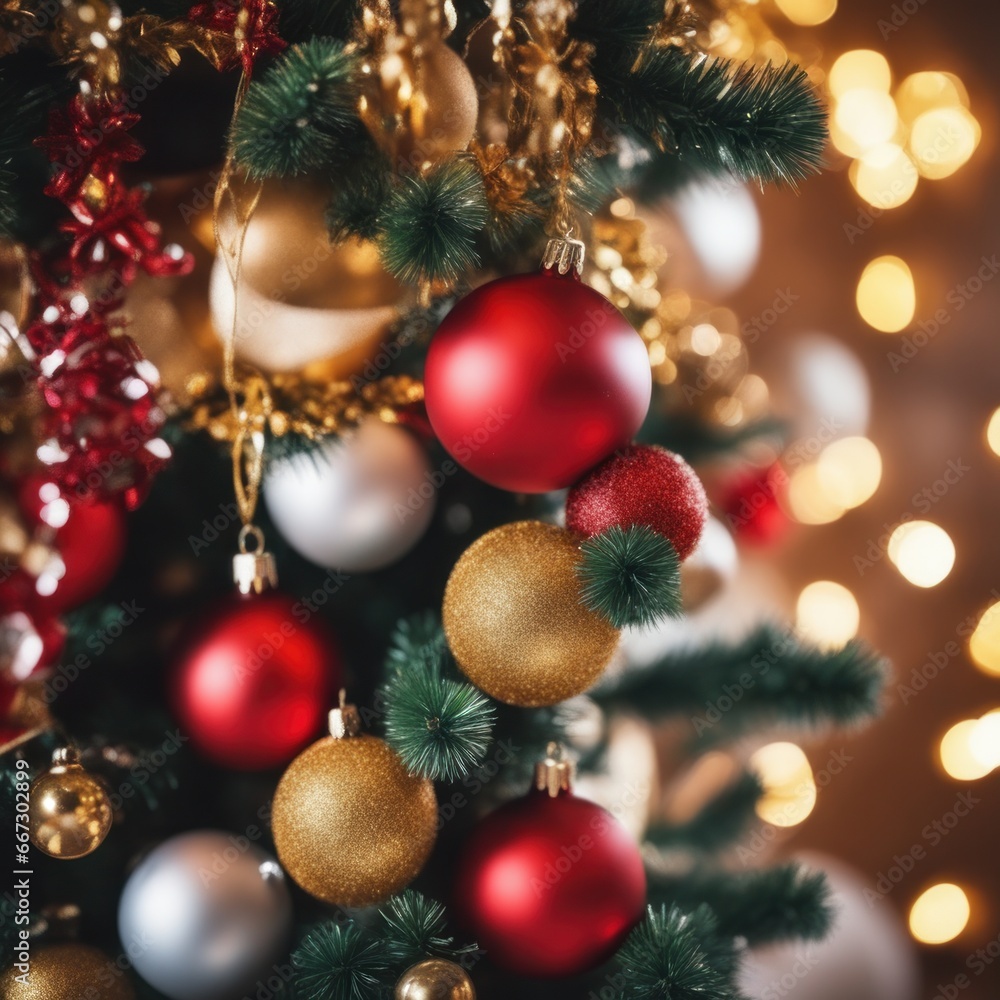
[565, 254]
[254, 571]
[553, 774]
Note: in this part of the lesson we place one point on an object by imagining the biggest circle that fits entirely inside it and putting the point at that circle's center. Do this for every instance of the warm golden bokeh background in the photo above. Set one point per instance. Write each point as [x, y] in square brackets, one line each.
[933, 411]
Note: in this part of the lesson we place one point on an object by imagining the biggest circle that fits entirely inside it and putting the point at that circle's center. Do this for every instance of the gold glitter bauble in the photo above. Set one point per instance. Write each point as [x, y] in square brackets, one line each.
[69, 812]
[514, 621]
[67, 972]
[435, 979]
[351, 826]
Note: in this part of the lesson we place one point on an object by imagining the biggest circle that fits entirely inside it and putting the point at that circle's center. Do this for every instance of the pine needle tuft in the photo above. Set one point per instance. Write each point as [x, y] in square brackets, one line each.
[414, 928]
[430, 226]
[338, 962]
[631, 576]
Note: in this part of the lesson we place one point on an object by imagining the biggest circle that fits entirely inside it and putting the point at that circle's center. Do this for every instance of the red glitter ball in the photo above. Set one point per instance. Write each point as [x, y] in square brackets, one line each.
[642, 484]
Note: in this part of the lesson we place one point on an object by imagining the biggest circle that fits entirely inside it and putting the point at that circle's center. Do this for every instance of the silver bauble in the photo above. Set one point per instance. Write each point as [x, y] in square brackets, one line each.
[205, 916]
[358, 504]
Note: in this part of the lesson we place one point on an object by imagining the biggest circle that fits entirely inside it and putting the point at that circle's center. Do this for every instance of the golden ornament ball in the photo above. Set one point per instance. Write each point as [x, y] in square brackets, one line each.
[69, 812]
[514, 620]
[302, 300]
[438, 115]
[435, 979]
[67, 972]
[351, 825]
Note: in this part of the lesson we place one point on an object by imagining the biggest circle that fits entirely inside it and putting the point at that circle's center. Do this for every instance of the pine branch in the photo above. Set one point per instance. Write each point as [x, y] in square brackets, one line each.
[301, 20]
[719, 823]
[769, 676]
[631, 576]
[618, 29]
[762, 906]
[753, 123]
[299, 116]
[665, 958]
[440, 728]
[338, 962]
[360, 196]
[430, 226]
[414, 928]
[417, 640]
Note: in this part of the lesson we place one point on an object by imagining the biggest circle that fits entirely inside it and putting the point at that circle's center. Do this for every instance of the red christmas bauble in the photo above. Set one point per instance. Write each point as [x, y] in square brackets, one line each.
[550, 886]
[89, 539]
[752, 504]
[642, 484]
[531, 380]
[255, 683]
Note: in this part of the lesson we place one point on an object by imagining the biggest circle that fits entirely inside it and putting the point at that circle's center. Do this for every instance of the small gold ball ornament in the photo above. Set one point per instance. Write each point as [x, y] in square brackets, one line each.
[69, 812]
[513, 617]
[67, 972]
[351, 825]
[435, 979]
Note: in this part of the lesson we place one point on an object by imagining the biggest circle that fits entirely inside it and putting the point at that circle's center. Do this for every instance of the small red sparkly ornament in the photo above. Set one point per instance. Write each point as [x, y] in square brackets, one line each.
[531, 380]
[255, 682]
[549, 884]
[642, 484]
[752, 504]
[87, 542]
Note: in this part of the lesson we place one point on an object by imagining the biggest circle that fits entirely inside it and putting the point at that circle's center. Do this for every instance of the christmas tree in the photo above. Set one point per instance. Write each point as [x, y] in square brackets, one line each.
[440, 426]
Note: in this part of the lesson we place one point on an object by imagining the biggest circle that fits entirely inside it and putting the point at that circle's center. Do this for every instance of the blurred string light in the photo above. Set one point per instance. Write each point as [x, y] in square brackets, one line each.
[789, 787]
[984, 643]
[922, 551]
[807, 12]
[844, 476]
[993, 432]
[970, 749]
[940, 913]
[923, 129]
[886, 296]
[827, 614]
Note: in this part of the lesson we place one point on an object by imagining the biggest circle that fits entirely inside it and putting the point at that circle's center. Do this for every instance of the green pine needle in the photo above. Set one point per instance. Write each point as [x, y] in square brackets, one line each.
[295, 118]
[430, 226]
[664, 959]
[359, 197]
[414, 929]
[338, 962]
[440, 728]
[418, 639]
[631, 576]
[760, 123]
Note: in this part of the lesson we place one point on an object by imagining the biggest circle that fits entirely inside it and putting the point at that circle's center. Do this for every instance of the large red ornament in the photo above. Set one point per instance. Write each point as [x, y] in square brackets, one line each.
[642, 484]
[531, 380]
[88, 540]
[550, 886]
[254, 685]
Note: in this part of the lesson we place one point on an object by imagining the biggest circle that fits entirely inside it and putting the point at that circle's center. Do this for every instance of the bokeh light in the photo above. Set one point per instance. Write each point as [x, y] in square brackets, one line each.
[922, 551]
[956, 753]
[993, 432]
[984, 740]
[789, 787]
[859, 69]
[885, 175]
[849, 471]
[984, 643]
[807, 12]
[886, 296]
[921, 92]
[827, 614]
[863, 119]
[808, 500]
[939, 914]
[942, 140]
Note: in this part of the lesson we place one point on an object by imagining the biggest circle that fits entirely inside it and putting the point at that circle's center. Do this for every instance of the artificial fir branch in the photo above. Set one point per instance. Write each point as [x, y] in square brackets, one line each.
[337, 961]
[417, 639]
[777, 676]
[440, 728]
[718, 824]
[360, 195]
[631, 576]
[754, 123]
[430, 226]
[414, 928]
[300, 20]
[298, 117]
[665, 958]
[765, 905]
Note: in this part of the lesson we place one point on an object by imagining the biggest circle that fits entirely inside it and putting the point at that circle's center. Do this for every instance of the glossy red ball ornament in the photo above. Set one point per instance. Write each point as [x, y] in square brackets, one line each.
[550, 886]
[531, 380]
[255, 682]
[753, 504]
[88, 539]
[642, 484]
